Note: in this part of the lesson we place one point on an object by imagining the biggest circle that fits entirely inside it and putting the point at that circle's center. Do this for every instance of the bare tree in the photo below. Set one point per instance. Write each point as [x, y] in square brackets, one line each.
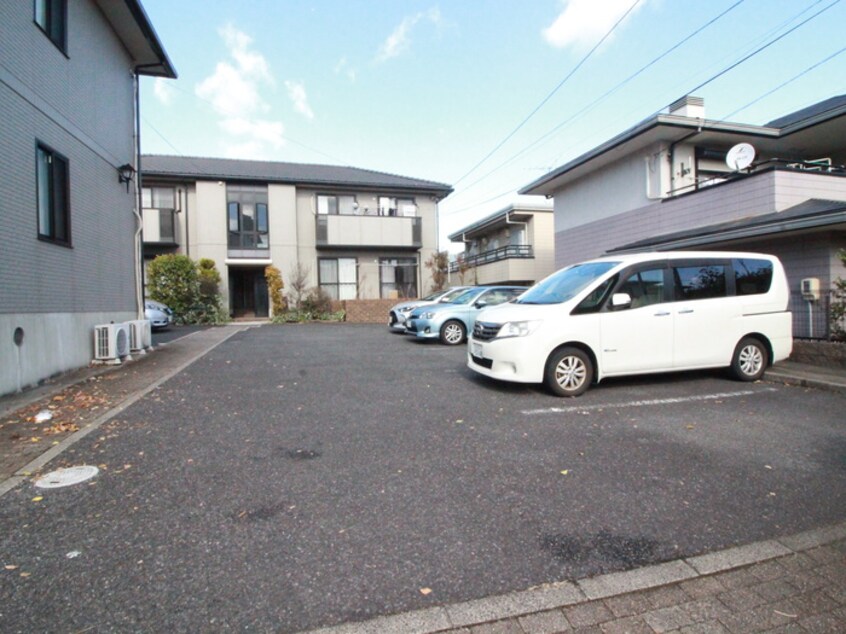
[438, 263]
[299, 284]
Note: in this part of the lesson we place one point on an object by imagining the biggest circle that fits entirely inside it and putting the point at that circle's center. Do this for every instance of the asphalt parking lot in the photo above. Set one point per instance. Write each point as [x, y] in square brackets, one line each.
[301, 476]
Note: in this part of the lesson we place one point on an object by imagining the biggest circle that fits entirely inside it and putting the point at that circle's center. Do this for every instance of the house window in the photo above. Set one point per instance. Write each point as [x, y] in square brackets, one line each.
[334, 205]
[398, 277]
[161, 201]
[247, 217]
[51, 16]
[52, 193]
[338, 277]
[389, 206]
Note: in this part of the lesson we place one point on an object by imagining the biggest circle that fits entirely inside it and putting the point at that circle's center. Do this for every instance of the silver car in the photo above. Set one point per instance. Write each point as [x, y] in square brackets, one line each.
[399, 313]
[160, 316]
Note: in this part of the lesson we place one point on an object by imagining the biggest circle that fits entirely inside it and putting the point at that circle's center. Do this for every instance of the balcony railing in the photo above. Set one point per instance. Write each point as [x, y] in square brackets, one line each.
[160, 226]
[515, 251]
[369, 231]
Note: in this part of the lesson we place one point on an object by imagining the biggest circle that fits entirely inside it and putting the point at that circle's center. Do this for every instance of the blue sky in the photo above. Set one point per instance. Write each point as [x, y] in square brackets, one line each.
[428, 90]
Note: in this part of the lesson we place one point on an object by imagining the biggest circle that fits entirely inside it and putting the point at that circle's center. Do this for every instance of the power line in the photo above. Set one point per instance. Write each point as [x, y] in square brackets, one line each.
[785, 83]
[549, 96]
[691, 91]
[547, 135]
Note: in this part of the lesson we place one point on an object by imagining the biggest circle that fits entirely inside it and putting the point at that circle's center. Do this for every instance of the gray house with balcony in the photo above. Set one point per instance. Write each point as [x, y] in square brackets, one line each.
[666, 184]
[511, 246]
[69, 224]
[356, 233]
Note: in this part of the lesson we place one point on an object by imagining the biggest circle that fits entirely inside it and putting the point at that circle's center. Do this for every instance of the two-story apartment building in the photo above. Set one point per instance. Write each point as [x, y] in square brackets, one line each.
[69, 225]
[355, 233]
[514, 245]
[681, 181]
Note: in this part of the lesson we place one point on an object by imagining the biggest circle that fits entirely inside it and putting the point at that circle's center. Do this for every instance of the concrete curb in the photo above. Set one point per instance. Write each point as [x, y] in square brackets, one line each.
[22, 474]
[795, 378]
[564, 594]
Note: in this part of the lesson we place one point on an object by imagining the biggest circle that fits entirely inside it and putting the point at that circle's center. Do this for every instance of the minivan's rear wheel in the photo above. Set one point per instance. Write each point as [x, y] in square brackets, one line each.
[568, 372]
[452, 332]
[750, 359]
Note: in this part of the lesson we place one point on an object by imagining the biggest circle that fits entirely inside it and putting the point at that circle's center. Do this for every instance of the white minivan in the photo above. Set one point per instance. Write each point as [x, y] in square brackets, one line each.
[637, 314]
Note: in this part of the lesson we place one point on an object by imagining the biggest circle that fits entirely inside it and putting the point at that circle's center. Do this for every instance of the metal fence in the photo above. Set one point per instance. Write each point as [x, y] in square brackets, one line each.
[811, 320]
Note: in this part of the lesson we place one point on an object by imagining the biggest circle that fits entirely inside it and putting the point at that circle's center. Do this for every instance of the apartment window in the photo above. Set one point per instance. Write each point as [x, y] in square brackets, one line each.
[51, 16]
[328, 205]
[51, 170]
[389, 206]
[398, 277]
[247, 217]
[338, 277]
[161, 201]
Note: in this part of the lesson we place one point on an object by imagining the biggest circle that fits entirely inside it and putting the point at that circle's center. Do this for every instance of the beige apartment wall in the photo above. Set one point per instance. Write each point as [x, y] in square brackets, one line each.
[283, 224]
[208, 228]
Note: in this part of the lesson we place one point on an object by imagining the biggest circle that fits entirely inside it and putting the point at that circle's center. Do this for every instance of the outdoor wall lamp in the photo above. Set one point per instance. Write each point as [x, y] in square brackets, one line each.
[125, 174]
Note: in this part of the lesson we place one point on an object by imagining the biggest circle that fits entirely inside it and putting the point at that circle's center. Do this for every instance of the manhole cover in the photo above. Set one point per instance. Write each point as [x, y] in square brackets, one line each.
[66, 477]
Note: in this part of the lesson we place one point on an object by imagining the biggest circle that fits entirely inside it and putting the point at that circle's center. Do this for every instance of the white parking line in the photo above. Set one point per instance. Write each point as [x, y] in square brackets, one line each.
[657, 401]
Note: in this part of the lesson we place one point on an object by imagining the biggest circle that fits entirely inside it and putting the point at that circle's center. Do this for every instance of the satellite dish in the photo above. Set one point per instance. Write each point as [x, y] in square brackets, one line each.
[740, 156]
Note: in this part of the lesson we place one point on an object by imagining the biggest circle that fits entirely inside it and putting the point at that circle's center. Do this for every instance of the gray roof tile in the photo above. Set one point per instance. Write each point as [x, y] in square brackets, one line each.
[275, 172]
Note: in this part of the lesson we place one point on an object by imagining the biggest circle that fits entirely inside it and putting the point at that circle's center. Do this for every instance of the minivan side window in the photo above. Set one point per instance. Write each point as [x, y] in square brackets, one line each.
[752, 277]
[705, 281]
[644, 287]
[593, 302]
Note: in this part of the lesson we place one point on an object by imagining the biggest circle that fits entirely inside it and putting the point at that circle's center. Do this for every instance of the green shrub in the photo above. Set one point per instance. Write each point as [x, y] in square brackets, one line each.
[274, 289]
[191, 290]
[172, 280]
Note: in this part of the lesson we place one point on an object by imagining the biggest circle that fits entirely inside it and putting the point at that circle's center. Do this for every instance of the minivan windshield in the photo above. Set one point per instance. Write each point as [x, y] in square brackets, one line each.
[566, 283]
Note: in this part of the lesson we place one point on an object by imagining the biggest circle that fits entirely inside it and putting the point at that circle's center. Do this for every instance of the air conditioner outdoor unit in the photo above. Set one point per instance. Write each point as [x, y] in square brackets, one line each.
[111, 342]
[140, 334]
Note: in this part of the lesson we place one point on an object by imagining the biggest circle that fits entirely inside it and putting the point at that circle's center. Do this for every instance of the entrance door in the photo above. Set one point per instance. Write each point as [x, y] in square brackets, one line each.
[248, 292]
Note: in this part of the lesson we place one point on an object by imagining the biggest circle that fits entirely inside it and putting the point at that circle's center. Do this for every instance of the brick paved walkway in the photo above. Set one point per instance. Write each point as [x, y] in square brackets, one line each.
[792, 585]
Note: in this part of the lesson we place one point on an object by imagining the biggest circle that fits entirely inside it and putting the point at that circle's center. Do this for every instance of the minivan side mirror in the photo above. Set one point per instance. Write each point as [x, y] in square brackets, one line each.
[481, 303]
[621, 300]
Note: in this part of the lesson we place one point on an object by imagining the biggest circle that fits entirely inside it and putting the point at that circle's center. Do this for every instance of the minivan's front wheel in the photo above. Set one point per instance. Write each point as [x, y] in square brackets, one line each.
[452, 332]
[568, 372]
[750, 360]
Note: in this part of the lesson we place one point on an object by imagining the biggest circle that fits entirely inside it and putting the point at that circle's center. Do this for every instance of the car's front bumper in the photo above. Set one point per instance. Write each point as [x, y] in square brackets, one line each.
[396, 321]
[423, 328]
[507, 359]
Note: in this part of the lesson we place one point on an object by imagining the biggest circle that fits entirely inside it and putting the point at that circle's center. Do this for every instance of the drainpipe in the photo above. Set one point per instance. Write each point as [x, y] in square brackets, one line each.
[139, 233]
[139, 237]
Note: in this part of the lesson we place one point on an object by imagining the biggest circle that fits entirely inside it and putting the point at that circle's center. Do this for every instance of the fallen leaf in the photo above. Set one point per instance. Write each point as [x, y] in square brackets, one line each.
[11, 567]
[425, 591]
[565, 472]
[25, 574]
[37, 498]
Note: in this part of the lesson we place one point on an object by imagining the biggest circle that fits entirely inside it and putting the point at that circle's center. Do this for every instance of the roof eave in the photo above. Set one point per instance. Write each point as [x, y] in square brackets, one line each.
[130, 22]
[546, 185]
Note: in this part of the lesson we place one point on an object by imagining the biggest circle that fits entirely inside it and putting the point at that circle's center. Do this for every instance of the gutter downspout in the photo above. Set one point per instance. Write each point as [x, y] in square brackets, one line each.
[518, 222]
[139, 254]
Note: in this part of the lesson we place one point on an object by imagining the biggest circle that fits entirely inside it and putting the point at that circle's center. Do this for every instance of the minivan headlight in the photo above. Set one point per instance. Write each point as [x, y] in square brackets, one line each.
[518, 328]
[428, 315]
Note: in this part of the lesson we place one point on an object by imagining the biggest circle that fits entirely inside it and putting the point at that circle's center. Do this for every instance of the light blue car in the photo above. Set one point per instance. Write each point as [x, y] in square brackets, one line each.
[451, 321]
[398, 314]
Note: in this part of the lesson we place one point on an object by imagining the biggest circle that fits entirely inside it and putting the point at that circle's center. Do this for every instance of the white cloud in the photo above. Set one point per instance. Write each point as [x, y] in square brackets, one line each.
[163, 90]
[343, 67]
[399, 40]
[235, 92]
[582, 23]
[297, 93]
